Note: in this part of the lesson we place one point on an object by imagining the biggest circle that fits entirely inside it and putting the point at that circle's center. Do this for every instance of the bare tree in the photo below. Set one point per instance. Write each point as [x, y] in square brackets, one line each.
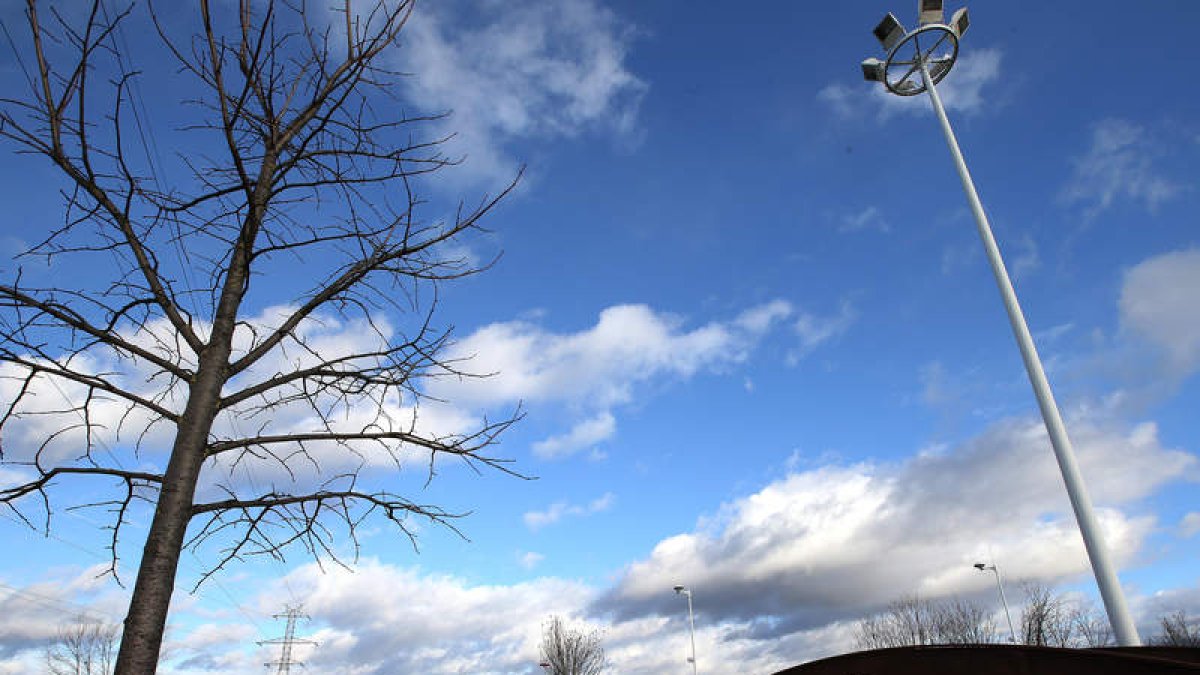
[959, 622]
[83, 647]
[1092, 627]
[1045, 619]
[1177, 631]
[569, 651]
[1054, 620]
[912, 620]
[297, 166]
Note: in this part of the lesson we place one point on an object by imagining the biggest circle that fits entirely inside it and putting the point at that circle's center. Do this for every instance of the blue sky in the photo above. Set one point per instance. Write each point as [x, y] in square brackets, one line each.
[743, 304]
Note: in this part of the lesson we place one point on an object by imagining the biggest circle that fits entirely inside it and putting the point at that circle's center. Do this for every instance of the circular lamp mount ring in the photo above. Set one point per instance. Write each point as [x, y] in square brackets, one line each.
[935, 45]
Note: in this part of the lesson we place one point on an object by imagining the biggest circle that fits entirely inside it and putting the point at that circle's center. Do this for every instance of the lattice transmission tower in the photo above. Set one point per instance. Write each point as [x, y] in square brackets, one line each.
[289, 640]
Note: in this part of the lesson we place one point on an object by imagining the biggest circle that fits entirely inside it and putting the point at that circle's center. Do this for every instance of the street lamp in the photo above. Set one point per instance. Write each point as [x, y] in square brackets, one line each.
[1003, 600]
[928, 52]
[684, 590]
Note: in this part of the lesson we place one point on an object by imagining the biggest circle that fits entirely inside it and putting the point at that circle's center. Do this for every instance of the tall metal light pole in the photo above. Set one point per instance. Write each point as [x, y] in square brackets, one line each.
[929, 52]
[684, 590]
[1012, 633]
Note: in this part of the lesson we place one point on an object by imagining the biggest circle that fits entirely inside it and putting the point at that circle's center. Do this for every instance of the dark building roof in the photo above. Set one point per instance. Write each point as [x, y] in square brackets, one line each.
[1007, 660]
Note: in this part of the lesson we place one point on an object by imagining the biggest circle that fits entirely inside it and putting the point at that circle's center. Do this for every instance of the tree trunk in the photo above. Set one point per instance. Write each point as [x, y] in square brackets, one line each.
[147, 617]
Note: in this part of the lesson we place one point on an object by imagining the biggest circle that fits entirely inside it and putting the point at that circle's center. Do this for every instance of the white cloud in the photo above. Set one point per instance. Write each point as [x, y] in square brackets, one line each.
[519, 70]
[1117, 165]
[628, 344]
[581, 436]
[596, 369]
[1027, 260]
[1158, 304]
[31, 616]
[384, 619]
[805, 550]
[815, 330]
[870, 218]
[961, 91]
[530, 559]
[1189, 525]
[780, 575]
[536, 520]
[760, 319]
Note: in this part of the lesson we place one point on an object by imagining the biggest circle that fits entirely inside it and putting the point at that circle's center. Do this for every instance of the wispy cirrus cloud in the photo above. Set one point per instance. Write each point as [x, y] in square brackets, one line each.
[963, 91]
[815, 330]
[585, 434]
[536, 520]
[1118, 165]
[521, 70]
[868, 218]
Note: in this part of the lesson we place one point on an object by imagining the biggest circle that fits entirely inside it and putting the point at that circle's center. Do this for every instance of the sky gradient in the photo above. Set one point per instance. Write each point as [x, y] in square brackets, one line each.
[741, 300]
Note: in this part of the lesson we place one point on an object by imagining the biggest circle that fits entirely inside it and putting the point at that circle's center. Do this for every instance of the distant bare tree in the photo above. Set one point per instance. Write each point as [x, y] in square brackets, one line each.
[1048, 619]
[959, 622]
[906, 621]
[1052, 619]
[1092, 627]
[298, 169]
[912, 620]
[1045, 619]
[83, 647]
[570, 651]
[1177, 631]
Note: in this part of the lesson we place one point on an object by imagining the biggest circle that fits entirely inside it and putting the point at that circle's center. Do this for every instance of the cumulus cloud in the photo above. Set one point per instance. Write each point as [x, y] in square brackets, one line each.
[804, 551]
[31, 616]
[1158, 304]
[1119, 164]
[780, 575]
[536, 520]
[518, 70]
[962, 91]
[596, 369]
[384, 619]
[52, 412]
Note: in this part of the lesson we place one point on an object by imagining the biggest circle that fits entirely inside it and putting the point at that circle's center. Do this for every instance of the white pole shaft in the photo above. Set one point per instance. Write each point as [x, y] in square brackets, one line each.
[692, 626]
[1004, 601]
[1093, 540]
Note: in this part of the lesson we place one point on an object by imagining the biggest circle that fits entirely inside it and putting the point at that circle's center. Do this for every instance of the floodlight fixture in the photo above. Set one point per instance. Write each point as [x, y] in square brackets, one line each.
[939, 69]
[959, 21]
[931, 12]
[980, 566]
[680, 589]
[889, 32]
[873, 69]
[916, 61]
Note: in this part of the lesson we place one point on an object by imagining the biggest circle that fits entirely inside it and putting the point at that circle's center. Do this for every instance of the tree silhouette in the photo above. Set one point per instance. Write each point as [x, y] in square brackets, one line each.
[568, 651]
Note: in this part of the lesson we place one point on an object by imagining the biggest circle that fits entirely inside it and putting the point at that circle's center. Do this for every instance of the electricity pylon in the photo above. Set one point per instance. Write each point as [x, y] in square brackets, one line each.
[289, 639]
